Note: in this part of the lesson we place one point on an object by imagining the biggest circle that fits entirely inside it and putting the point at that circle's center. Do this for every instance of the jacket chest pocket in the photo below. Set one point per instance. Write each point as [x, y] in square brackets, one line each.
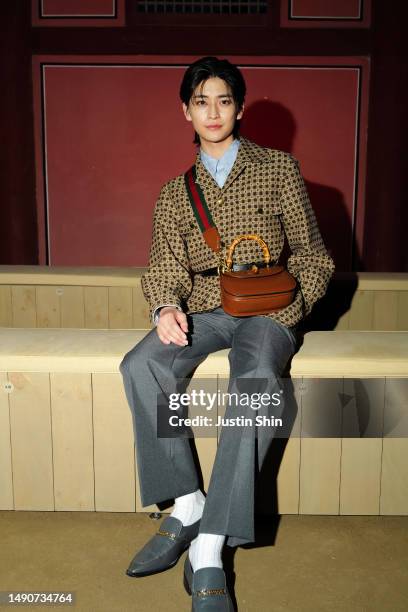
[266, 210]
[258, 217]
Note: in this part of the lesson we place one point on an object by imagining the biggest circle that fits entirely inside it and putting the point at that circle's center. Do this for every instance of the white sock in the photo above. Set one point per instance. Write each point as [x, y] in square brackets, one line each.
[189, 508]
[205, 551]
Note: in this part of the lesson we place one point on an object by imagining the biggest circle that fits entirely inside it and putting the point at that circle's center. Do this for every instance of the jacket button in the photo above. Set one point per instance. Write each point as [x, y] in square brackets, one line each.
[220, 201]
[192, 224]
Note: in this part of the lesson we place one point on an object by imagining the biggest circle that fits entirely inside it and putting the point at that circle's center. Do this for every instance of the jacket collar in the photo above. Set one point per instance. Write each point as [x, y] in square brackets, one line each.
[248, 153]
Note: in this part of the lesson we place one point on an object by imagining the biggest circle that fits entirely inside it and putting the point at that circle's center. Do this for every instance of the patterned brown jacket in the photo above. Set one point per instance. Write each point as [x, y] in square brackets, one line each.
[264, 194]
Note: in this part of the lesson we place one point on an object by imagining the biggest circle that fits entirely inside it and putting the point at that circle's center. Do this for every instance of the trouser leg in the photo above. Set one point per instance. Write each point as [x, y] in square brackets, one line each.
[166, 467]
[260, 351]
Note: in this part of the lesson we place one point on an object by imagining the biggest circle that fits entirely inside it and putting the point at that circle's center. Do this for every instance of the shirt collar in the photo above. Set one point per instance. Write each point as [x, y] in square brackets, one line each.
[224, 162]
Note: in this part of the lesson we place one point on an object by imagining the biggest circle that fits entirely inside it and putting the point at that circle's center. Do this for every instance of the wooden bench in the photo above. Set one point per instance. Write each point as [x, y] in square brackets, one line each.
[111, 298]
[66, 438]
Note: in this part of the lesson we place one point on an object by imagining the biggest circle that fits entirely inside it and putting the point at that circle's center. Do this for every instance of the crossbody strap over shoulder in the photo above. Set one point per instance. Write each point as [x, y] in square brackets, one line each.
[201, 211]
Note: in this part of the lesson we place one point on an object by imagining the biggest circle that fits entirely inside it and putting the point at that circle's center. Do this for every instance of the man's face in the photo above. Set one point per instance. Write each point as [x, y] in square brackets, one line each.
[212, 110]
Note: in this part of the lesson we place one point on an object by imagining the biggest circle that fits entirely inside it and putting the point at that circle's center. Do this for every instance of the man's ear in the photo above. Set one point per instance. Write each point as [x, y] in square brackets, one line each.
[186, 112]
[241, 112]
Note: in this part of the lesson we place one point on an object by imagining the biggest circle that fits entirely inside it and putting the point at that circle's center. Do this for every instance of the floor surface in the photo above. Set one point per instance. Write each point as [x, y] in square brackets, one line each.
[300, 563]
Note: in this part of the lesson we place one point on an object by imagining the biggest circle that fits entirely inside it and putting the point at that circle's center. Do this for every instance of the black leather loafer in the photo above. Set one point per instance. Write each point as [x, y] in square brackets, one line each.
[164, 549]
[208, 587]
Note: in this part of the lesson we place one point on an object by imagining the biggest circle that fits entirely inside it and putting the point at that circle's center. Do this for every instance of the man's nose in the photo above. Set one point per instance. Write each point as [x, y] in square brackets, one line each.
[213, 110]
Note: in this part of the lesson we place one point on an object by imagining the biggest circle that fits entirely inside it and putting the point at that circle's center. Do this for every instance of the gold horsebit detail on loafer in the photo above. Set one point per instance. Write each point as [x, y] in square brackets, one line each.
[170, 535]
[204, 592]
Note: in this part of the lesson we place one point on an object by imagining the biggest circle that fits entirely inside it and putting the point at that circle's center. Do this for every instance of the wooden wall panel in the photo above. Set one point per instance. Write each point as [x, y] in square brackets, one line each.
[113, 446]
[125, 308]
[96, 307]
[6, 474]
[402, 318]
[320, 436]
[70, 447]
[362, 310]
[31, 441]
[320, 479]
[24, 306]
[394, 477]
[141, 312]
[6, 317]
[120, 307]
[385, 314]
[360, 476]
[72, 434]
[48, 307]
[73, 307]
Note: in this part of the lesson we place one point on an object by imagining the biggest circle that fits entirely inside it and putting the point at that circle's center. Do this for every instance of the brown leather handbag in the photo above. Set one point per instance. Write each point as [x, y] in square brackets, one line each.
[259, 289]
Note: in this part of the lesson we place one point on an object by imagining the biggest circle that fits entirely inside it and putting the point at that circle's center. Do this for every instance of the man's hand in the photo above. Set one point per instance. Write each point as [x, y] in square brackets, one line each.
[171, 326]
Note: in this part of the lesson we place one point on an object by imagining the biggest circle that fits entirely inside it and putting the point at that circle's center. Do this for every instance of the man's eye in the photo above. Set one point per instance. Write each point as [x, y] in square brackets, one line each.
[200, 102]
[226, 101]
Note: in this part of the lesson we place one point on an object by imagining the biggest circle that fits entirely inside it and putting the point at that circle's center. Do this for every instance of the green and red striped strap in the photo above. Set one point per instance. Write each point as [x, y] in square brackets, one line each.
[197, 200]
[201, 211]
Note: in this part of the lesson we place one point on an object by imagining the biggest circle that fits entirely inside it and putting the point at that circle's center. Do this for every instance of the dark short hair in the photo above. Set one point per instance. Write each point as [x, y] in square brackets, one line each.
[207, 67]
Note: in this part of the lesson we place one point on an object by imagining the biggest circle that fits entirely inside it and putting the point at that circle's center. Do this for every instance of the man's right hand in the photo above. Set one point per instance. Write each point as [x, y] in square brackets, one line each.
[172, 325]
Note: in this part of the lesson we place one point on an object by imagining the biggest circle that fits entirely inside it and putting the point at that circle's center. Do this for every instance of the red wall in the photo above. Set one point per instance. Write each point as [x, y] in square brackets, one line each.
[110, 132]
[377, 33]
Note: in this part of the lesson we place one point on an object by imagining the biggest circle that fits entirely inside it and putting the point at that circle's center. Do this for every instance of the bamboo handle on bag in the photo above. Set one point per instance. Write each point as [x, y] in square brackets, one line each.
[262, 244]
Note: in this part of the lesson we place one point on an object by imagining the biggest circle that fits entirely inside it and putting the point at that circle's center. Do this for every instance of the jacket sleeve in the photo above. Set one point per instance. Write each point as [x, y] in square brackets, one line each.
[167, 279]
[309, 261]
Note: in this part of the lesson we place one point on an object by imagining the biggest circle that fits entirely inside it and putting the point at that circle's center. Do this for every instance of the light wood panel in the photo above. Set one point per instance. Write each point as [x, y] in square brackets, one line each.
[72, 306]
[120, 308]
[6, 476]
[6, 315]
[360, 476]
[385, 314]
[48, 306]
[24, 306]
[319, 475]
[362, 428]
[402, 317]
[115, 486]
[141, 314]
[116, 307]
[394, 481]
[89, 446]
[96, 308]
[320, 452]
[362, 310]
[394, 477]
[30, 430]
[72, 435]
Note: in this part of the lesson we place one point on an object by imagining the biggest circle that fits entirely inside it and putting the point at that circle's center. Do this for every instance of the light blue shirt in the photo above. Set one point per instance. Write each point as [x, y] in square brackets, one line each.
[220, 168]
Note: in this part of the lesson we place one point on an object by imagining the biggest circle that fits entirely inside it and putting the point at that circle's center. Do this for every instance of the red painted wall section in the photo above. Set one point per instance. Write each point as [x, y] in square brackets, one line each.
[108, 136]
[312, 113]
[324, 14]
[51, 8]
[321, 8]
[77, 13]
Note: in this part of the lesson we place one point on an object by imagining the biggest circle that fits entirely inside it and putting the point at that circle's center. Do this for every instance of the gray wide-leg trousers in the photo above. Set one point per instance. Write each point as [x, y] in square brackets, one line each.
[260, 349]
